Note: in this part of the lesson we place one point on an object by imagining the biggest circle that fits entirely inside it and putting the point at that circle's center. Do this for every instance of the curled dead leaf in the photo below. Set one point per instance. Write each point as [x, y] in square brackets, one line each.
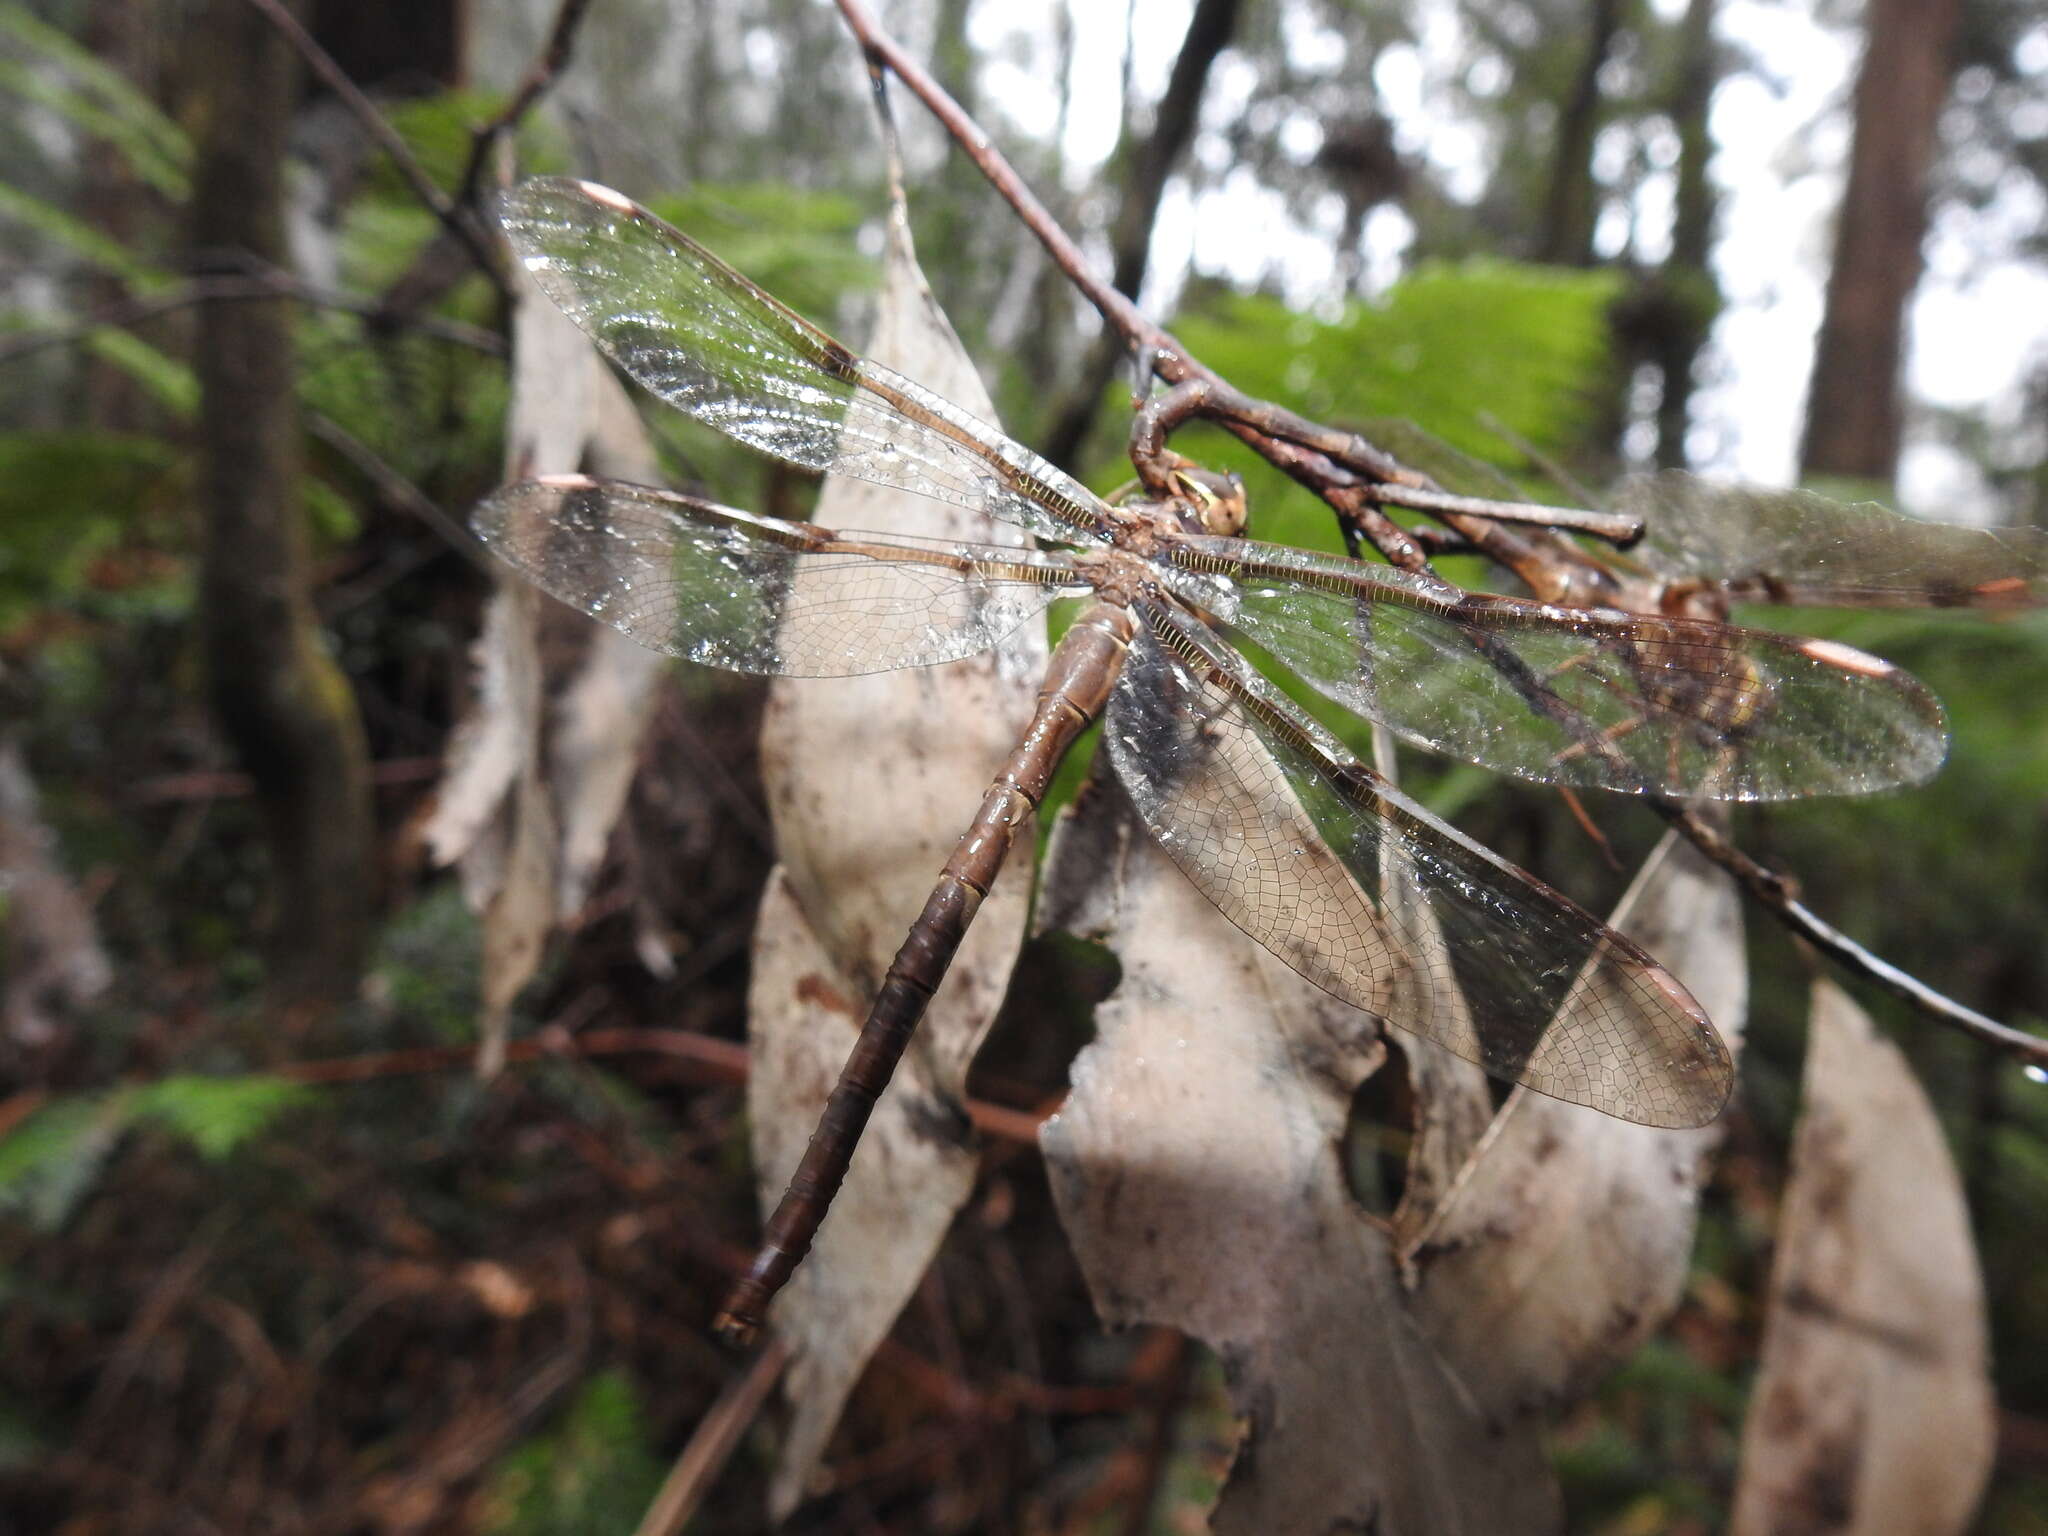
[1873, 1409]
[1195, 1166]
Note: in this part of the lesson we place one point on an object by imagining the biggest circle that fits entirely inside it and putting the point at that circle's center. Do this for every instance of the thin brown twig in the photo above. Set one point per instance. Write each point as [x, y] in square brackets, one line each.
[270, 284]
[1616, 527]
[1777, 894]
[1352, 476]
[1297, 447]
[395, 488]
[724, 1061]
[540, 76]
[227, 784]
[459, 221]
[717, 1436]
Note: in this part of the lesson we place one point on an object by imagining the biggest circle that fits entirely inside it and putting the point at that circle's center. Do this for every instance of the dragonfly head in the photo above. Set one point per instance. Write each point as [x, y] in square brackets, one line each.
[1207, 502]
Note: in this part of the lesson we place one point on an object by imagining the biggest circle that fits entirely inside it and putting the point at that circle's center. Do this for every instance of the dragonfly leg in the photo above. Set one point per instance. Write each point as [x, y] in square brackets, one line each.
[1077, 685]
[1607, 737]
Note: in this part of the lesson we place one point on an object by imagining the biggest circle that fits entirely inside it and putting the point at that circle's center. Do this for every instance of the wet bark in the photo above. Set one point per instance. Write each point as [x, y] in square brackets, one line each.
[278, 697]
[1853, 406]
[1144, 184]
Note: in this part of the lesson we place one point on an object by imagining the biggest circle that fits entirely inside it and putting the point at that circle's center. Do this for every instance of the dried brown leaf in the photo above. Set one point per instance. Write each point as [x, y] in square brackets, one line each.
[1873, 1410]
[1196, 1168]
[1566, 1239]
[871, 781]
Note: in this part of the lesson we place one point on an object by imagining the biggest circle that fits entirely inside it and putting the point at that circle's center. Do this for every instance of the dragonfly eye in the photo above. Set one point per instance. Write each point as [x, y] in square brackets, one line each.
[1217, 501]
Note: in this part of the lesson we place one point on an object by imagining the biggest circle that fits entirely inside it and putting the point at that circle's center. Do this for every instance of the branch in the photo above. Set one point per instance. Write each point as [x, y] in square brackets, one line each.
[1208, 33]
[459, 221]
[540, 76]
[395, 488]
[1775, 894]
[270, 283]
[721, 1061]
[1295, 453]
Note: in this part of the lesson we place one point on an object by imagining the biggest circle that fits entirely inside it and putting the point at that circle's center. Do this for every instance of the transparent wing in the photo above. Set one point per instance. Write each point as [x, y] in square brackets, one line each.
[755, 594]
[709, 342]
[1572, 696]
[1368, 896]
[1799, 547]
[1449, 468]
[1781, 546]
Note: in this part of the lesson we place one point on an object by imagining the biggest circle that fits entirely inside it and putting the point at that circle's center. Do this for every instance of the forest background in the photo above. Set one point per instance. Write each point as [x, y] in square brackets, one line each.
[273, 1257]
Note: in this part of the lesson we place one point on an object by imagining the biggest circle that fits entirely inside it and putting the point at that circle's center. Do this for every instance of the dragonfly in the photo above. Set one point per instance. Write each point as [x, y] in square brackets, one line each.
[1299, 843]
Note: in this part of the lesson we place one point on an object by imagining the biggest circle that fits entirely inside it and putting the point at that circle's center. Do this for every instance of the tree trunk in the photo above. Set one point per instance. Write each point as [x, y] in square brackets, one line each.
[1569, 208]
[279, 698]
[1853, 407]
[1146, 170]
[1693, 295]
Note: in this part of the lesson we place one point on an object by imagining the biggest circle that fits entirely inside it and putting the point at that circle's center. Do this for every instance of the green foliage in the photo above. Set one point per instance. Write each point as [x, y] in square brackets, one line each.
[427, 968]
[216, 1114]
[80, 239]
[431, 410]
[171, 383]
[797, 244]
[50, 1161]
[1527, 345]
[594, 1471]
[1471, 351]
[437, 129]
[55, 73]
[65, 497]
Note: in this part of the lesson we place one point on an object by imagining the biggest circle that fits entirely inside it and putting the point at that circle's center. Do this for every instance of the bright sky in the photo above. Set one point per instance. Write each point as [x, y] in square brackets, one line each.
[1979, 324]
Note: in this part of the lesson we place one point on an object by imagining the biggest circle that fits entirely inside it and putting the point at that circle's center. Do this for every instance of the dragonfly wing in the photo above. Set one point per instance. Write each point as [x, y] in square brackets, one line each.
[1368, 896]
[755, 594]
[1450, 469]
[1570, 696]
[712, 344]
[1800, 547]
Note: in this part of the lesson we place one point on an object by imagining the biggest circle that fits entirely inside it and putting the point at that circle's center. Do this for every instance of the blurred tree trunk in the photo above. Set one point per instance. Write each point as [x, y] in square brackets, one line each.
[279, 697]
[1694, 296]
[1852, 409]
[1569, 207]
[1665, 319]
[1144, 183]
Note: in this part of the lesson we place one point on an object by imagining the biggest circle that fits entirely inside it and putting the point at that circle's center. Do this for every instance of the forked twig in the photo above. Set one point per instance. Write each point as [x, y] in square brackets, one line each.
[266, 284]
[1354, 477]
[1340, 467]
[459, 215]
[539, 79]
[459, 221]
